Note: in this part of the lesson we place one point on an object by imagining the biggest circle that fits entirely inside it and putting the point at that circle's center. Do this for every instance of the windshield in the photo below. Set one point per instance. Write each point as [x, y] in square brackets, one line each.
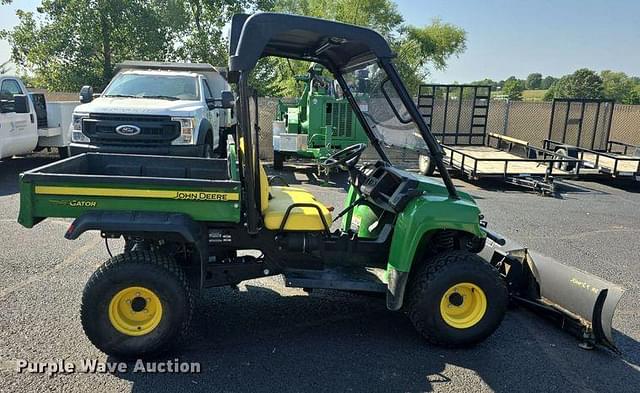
[168, 87]
[383, 109]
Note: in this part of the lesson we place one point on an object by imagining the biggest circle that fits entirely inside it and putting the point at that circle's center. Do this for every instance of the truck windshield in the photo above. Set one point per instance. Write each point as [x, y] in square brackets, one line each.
[167, 87]
[383, 109]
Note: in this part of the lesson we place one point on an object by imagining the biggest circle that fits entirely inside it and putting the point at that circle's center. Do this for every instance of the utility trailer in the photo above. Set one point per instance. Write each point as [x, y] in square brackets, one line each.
[581, 128]
[457, 116]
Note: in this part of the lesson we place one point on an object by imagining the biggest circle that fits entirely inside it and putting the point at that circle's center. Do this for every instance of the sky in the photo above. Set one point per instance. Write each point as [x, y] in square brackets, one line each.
[509, 37]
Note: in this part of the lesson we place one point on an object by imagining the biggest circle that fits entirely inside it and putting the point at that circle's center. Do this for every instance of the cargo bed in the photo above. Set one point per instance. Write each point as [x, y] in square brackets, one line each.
[204, 189]
[512, 160]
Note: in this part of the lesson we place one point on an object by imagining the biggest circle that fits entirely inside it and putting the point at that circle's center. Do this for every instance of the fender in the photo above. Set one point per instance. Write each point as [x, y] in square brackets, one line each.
[204, 126]
[179, 227]
[422, 217]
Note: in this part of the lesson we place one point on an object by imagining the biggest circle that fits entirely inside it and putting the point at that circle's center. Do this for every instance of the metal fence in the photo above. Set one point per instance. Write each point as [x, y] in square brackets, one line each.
[530, 121]
[522, 120]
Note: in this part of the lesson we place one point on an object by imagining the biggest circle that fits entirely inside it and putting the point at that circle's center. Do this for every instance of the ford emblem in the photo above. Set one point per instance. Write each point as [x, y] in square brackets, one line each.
[128, 130]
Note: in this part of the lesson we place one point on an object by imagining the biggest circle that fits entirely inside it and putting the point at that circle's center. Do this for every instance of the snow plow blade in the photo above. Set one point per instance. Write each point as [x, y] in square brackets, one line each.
[579, 302]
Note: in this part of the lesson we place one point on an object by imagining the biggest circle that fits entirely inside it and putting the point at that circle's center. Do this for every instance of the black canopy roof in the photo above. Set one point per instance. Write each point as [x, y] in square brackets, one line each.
[332, 44]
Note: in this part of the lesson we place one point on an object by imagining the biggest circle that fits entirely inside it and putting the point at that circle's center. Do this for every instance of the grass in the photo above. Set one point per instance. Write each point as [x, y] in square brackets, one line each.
[533, 95]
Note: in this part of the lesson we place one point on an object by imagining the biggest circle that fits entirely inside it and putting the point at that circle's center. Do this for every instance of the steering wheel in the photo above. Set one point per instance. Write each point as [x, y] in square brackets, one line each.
[345, 158]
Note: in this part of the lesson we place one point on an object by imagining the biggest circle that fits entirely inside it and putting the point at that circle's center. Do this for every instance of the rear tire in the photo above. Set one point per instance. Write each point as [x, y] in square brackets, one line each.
[426, 166]
[456, 299]
[136, 304]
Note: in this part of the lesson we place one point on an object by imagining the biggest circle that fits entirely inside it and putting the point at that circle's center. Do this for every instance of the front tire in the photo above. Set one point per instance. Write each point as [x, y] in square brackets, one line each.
[456, 299]
[136, 304]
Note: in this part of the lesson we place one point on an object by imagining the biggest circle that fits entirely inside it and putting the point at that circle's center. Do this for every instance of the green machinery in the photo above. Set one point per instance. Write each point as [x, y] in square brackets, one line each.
[320, 121]
[191, 223]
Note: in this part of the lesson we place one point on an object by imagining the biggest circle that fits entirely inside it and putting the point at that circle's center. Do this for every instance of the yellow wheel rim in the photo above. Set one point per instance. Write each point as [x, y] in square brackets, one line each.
[135, 311]
[463, 305]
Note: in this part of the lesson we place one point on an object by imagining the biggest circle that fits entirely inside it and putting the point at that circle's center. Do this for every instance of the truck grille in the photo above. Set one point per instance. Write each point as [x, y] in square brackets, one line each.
[101, 129]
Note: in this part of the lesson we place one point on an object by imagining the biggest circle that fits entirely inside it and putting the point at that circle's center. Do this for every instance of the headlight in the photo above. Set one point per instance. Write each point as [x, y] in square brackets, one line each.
[76, 128]
[187, 126]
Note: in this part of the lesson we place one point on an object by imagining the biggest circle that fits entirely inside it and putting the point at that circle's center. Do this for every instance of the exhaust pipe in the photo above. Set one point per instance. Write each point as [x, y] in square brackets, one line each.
[579, 302]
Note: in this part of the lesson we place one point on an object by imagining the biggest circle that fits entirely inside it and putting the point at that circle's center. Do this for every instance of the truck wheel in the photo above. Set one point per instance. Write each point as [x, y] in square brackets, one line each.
[426, 166]
[278, 160]
[64, 152]
[456, 299]
[136, 304]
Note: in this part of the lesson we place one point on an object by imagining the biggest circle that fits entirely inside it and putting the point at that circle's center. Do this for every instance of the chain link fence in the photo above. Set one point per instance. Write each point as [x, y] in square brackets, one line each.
[523, 120]
[529, 121]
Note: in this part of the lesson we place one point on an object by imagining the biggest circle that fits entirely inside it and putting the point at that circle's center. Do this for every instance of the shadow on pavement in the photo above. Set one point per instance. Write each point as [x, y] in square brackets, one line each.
[257, 340]
[11, 168]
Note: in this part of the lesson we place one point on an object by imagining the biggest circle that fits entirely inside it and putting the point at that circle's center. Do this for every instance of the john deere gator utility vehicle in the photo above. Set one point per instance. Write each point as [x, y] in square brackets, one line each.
[187, 221]
[321, 121]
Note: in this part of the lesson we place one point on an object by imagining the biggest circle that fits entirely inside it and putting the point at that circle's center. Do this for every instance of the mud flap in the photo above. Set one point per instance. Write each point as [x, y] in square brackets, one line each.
[581, 303]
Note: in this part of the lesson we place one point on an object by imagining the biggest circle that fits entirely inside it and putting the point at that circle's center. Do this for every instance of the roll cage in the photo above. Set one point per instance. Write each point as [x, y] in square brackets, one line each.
[340, 48]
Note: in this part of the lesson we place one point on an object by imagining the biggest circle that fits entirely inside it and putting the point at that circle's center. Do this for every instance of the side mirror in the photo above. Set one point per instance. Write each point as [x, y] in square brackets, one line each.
[86, 94]
[21, 103]
[225, 101]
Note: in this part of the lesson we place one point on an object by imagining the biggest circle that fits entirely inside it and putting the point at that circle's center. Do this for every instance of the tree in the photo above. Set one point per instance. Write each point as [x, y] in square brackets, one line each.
[418, 48]
[534, 81]
[4, 67]
[547, 82]
[633, 98]
[201, 24]
[485, 82]
[513, 88]
[617, 86]
[583, 83]
[77, 42]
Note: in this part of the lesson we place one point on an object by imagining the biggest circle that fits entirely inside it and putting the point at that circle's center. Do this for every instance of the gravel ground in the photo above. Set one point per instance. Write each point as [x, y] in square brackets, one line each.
[266, 337]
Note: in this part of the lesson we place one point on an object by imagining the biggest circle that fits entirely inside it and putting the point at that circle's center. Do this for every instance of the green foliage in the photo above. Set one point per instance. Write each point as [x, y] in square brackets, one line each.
[418, 48]
[75, 42]
[200, 24]
[633, 97]
[70, 43]
[619, 87]
[583, 83]
[534, 81]
[486, 82]
[4, 67]
[547, 82]
[513, 88]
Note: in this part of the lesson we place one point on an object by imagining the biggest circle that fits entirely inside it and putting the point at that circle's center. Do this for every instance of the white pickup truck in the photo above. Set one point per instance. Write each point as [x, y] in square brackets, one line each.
[28, 123]
[156, 108]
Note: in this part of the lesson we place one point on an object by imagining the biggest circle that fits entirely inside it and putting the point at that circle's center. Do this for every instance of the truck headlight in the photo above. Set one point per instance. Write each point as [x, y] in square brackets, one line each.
[187, 129]
[76, 128]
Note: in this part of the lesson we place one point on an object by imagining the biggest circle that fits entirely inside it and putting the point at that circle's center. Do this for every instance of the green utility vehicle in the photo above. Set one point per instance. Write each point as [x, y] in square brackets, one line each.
[188, 222]
[321, 121]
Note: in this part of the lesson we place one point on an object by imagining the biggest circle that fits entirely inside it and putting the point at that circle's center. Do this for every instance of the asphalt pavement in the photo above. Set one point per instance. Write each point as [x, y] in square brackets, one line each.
[265, 337]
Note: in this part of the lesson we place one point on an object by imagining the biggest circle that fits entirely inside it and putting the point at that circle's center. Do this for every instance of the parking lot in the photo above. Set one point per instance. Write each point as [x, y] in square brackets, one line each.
[265, 337]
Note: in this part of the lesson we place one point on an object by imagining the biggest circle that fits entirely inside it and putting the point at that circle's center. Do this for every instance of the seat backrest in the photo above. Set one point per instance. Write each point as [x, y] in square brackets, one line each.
[263, 180]
[264, 189]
